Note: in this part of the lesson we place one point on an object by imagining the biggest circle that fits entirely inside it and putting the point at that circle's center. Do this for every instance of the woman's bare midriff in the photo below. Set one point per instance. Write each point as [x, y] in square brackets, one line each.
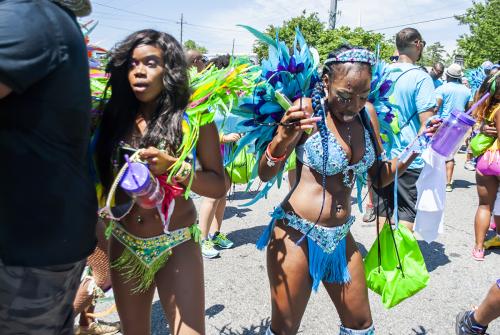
[147, 222]
[306, 198]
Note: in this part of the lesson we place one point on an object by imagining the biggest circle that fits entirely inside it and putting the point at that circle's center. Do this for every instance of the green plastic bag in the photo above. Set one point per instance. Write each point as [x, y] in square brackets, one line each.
[480, 143]
[240, 169]
[400, 270]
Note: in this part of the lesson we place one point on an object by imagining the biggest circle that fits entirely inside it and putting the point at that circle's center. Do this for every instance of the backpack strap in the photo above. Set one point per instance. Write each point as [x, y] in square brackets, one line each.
[415, 112]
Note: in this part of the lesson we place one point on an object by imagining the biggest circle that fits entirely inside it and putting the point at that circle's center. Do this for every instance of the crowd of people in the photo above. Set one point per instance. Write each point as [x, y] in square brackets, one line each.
[327, 139]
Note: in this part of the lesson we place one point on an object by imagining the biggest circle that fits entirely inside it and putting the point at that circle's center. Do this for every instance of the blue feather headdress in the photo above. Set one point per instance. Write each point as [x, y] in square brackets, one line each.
[383, 101]
[294, 75]
[475, 77]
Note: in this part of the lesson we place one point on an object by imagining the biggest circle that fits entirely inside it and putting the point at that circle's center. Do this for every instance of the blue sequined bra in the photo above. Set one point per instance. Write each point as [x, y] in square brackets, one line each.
[310, 153]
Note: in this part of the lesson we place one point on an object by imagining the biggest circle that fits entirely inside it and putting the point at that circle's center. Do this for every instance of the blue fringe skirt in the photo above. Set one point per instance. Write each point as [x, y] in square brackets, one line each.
[326, 246]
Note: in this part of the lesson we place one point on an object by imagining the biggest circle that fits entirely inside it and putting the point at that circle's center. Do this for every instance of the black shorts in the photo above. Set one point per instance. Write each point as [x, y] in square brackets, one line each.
[407, 196]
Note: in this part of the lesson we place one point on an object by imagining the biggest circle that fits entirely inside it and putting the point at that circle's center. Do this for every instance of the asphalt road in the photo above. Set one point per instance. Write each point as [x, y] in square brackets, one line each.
[237, 294]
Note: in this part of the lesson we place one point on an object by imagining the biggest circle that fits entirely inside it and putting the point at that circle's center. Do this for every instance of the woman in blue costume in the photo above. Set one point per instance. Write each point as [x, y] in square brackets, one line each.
[308, 240]
[152, 249]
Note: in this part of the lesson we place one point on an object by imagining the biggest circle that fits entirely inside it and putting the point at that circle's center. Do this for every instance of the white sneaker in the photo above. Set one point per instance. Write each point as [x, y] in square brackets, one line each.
[469, 165]
[208, 250]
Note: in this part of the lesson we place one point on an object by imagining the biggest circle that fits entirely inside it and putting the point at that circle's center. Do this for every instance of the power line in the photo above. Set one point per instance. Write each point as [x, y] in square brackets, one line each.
[419, 13]
[210, 27]
[133, 12]
[162, 19]
[410, 23]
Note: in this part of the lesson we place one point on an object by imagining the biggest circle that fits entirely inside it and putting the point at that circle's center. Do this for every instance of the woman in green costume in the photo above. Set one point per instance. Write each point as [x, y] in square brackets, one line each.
[153, 248]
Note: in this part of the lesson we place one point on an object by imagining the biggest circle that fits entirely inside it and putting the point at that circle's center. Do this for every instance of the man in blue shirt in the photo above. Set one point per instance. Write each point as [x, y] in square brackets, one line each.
[414, 94]
[436, 73]
[452, 95]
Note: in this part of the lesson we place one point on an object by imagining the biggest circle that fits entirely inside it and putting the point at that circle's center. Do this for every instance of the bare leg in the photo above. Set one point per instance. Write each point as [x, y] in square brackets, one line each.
[450, 165]
[487, 187]
[351, 300]
[99, 263]
[489, 309]
[207, 214]
[181, 288]
[134, 309]
[219, 215]
[218, 211]
[288, 271]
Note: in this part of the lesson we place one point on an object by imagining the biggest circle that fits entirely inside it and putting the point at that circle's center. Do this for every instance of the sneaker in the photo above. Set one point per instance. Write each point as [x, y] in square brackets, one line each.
[493, 225]
[478, 254]
[449, 187]
[96, 328]
[220, 240]
[469, 165]
[463, 328]
[492, 242]
[369, 215]
[208, 250]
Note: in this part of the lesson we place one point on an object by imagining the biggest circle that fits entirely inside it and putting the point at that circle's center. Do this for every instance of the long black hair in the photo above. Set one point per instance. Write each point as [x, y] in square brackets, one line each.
[120, 112]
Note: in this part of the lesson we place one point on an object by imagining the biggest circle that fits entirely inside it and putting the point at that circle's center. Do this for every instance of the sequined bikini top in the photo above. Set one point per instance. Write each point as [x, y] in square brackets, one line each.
[310, 153]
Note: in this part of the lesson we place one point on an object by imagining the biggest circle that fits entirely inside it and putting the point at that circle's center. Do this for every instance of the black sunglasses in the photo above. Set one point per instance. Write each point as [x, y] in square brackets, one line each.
[417, 42]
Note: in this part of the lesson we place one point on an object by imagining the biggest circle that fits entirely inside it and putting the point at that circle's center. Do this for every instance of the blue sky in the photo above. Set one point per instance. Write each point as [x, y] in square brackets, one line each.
[213, 23]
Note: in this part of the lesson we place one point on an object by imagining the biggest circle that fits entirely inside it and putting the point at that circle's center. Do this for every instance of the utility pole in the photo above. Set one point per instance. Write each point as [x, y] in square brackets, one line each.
[232, 51]
[182, 24]
[333, 13]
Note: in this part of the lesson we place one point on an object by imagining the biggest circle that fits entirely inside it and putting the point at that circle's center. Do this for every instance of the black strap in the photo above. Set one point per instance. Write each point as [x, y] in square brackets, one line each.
[365, 120]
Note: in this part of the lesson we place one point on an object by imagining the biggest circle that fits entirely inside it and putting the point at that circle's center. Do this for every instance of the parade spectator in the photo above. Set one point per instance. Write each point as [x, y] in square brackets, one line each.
[452, 95]
[436, 73]
[48, 203]
[196, 59]
[487, 67]
[414, 94]
[465, 82]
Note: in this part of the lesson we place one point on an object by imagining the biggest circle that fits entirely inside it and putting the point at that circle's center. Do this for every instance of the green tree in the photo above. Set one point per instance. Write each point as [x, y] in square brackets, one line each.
[432, 54]
[324, 40]
[309, 24]
[483, 41]
[192, 45]
[332, 39]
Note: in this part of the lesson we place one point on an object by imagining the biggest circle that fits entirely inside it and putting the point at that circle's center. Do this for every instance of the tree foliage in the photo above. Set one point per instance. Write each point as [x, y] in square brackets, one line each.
[432, 54]
[324, 40]
[483, 41]
[192, 45]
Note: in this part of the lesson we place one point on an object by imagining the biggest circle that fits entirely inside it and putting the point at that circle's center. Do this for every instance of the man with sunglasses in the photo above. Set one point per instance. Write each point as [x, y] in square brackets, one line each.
[415, 98]
[436, 73]
[196, 59]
